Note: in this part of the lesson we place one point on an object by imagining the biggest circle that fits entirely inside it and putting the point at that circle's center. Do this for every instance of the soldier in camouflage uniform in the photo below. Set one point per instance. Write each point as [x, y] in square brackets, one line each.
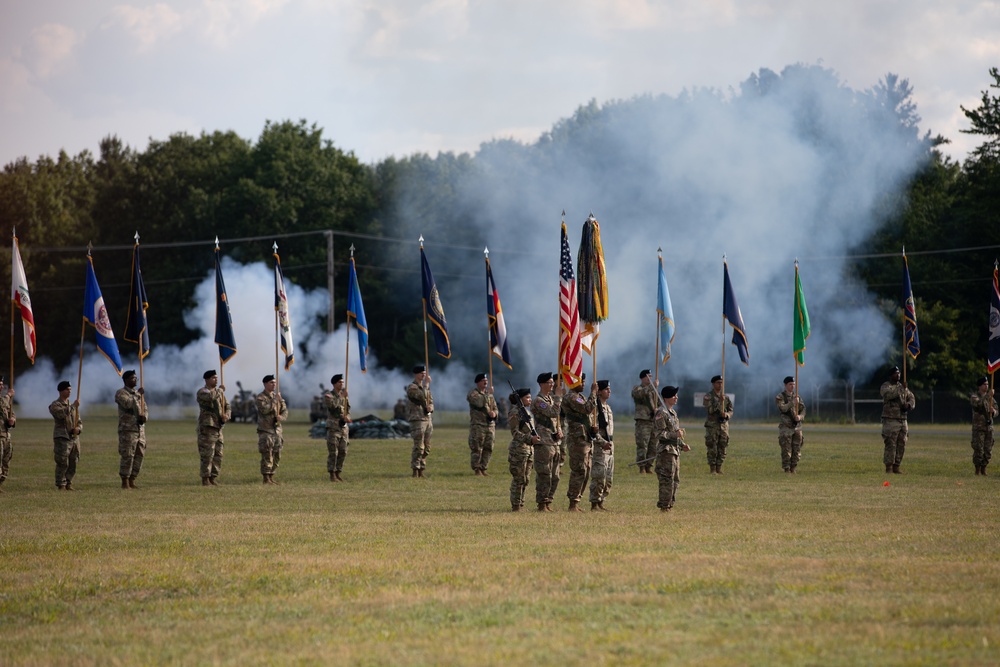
[421, 408]
[271, 411]
[65, 436]
[520, 454]
[214, 412]
[602, 470]
[482, 424]
[669, 445]
[719, 410]
[549, 450]
[791, 411]
[644, 397]
[897, 401]
[338, 416]
[581, 429]
[7, 421]
[132, 416]
[984, 411]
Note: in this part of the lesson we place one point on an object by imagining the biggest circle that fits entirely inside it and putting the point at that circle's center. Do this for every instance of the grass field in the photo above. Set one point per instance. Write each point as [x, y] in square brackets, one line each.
[827, 567]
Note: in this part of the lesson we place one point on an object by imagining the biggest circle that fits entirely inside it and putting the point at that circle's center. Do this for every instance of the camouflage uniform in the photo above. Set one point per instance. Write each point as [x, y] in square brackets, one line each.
[131, 432]
[519, 456]
[271, 411]
[214, 412]
[984, 411]
[897, 400]
[602, 470]
[482, 428]
[790, 437]
[644, 397]
[581, 424]
[6, 421]
[338, 414]
[66, 443]
[666, 430]
[420, 408]
[549, 453]
[719, 410]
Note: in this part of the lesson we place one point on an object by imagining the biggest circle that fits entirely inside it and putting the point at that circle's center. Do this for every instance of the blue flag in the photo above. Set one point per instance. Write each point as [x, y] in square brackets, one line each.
[136, 325]
[731, 311]
[432, 308]
[356, 309]
[96, 315]
[910, 338]
[223, 318]
[666, 312]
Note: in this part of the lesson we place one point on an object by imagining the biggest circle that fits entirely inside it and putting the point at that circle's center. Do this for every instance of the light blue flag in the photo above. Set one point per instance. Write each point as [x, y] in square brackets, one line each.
[356, 309]
[96, 315]
[666, 313]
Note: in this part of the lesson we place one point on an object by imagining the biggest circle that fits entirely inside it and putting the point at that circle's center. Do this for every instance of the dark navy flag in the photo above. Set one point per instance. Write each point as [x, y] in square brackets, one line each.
[356, 309]
[731, 311]
[432, 308]
[910, 338]
[96, 315]
[136, 325]
[223, 318]
[494, 318]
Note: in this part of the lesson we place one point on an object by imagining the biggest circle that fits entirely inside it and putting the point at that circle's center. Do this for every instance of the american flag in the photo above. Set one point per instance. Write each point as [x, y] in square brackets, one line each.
[570, 355]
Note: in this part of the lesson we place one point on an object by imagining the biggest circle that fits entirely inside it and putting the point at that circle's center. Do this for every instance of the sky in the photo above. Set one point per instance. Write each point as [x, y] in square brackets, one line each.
[395, 77]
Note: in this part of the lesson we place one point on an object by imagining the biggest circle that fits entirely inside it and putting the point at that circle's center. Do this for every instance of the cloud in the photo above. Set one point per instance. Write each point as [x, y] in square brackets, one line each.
[49, 49]
[148, 26]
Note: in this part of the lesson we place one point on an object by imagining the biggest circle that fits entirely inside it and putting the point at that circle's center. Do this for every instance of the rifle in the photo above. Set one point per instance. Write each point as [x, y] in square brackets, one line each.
[525, 417]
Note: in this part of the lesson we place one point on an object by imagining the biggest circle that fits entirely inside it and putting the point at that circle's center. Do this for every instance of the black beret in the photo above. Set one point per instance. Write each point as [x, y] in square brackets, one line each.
[267, 378]
[480, 377]
[603, 384]
[788, 379]
[979, 383]
[716, 378]
[668, 391]
[523, 391]
[644, 373]
[894, 369]
[64, 385]
[3, 379]
[208, 374]
[543, 378]
[128, 374]
[419, 368]
[336, 378]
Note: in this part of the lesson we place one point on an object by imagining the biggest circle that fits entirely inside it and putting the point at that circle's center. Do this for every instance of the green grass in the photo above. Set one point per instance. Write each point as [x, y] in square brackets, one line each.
[828, 567]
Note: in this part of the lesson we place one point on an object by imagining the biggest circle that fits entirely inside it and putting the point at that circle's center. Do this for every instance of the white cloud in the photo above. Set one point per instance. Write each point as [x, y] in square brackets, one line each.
[148, 25]
[49, 48]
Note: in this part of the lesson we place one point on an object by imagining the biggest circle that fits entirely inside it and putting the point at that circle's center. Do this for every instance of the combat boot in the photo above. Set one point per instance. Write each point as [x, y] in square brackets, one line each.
[204, 481]
[124, 481]
[896, 470]
[420, 472]
[718, 469]
[131, 483]
[888, 468]
[69, 486]
[574, 506]
[542, 507]
[601, 507]
[333, 476]
[211, 480]
[266, 480]
[984, 471]
[712, 469]
[979, 470]
[339, 478]
[414, 472]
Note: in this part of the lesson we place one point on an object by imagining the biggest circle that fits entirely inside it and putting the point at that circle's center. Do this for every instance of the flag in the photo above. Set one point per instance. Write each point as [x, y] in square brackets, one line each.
[494, 318]
[281, 306]
[731, 311]
[993, 348]
[592, 290]
[433, 309]
[96, 315]
[136, 325]
[570, 353]
[356, 309]
[223, 317]
[801, 328]
[911, 340]
[666, 312]
[21, 299]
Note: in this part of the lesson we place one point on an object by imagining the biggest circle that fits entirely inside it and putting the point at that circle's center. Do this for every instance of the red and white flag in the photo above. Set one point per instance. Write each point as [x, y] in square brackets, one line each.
[570, 354]
[19, 295]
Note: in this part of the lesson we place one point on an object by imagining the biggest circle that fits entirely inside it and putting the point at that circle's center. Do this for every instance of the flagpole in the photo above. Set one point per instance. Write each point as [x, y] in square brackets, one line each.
[427, 358]
[904, 320]
[659, 324]
[794, 353]
[489, 342]
[277, 333]
[723, 332]
[79, 372]
[347, 345]
[559, 370]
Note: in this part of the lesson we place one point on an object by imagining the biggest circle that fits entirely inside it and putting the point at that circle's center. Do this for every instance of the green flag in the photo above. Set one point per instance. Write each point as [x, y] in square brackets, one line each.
[801, 328]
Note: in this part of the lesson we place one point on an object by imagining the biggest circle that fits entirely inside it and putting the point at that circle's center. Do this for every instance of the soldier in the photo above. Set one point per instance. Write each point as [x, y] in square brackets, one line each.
[271, 411]
[214, 412]
[523, 436]
[603, 466]
[65, 435]
[132, 416]
[338, 416]
[549, 450]
[669, 445]
[984, 411]
[482, 424]
[581, 422]
[644, 397]
[7, 421]
[897, 400]
[421, 407]
[791, 411]
[719, 410]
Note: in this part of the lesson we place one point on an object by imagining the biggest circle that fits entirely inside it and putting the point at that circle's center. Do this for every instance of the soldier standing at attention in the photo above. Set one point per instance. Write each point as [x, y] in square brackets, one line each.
[421, 407]
[523, 436]
[791, 411]
[581, 426]
[132, 416]
[7, 421]
[271, 411]
[603, 466]
[338, 416]
[719, 411]
[549, 452]
[65, 436]
[214, 412]
[984, 411]
[482, 424]
[897, 400]
[644, 397]
[669, 445]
